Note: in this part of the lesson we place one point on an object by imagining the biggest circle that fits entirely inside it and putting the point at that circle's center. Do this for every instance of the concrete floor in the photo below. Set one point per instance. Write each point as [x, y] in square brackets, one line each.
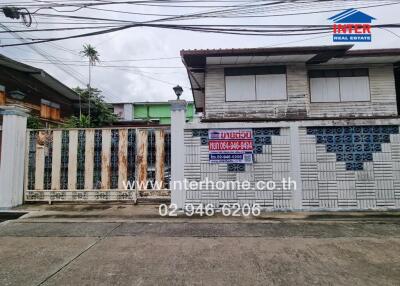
[284, 249]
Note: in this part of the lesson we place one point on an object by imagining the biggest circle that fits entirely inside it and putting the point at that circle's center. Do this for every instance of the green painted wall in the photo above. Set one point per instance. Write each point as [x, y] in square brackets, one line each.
[160, 111]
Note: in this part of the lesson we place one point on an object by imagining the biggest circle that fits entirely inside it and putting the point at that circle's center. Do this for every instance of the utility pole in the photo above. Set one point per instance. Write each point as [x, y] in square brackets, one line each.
[89, 86]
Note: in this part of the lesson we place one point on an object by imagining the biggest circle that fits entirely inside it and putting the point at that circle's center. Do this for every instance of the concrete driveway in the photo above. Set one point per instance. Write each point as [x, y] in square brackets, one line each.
[147, 251]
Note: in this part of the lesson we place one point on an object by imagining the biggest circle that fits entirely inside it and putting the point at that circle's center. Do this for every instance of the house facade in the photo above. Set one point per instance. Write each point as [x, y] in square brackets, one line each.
[325, 117]
[35, 90]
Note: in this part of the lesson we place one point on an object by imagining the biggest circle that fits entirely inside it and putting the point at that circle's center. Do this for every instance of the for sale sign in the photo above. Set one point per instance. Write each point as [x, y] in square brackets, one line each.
[230, 146]
[230, 134]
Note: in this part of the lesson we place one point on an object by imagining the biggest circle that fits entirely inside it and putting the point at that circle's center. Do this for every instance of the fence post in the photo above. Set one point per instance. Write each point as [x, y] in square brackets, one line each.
[295, 172]
[12, 156]
[178, 120]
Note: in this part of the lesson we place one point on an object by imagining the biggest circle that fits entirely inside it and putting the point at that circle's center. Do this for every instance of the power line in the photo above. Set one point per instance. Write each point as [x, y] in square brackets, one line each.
[105, 61]
[218, 29]
[393, 33]
[111, 66]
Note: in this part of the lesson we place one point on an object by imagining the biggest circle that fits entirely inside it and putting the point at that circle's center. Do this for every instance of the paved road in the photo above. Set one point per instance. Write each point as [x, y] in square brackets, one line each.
[347, 252]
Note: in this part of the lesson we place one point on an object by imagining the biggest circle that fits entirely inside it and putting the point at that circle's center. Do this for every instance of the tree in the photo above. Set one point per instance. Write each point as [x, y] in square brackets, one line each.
[77, 122]
[34, 122]
[92, 55]
[102, 113]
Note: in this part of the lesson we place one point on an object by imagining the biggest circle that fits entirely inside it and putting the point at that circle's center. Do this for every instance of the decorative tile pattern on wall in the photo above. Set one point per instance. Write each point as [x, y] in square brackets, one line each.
[262, 137]
[353, 145]
[236, 167]
[351, 167]
[271, 162]
[203, 134]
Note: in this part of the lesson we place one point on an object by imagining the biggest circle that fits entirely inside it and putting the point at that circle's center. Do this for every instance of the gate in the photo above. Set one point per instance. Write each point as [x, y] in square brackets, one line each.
[109, 164]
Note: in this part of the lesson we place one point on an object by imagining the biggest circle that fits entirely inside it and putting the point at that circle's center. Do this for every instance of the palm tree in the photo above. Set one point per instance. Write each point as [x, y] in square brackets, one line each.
[92, 55]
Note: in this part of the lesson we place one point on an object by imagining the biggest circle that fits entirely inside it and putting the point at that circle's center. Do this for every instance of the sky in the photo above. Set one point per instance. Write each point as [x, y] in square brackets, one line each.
[153, 79]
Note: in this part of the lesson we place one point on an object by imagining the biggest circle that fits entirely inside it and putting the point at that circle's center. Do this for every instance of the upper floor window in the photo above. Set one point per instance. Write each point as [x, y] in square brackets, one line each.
[339, 85]
[49, 110]
[255, 83]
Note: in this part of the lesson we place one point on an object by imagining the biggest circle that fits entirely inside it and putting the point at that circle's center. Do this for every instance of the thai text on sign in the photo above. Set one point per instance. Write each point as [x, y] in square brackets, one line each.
[230, 146]
[224, 145]
[230, 134]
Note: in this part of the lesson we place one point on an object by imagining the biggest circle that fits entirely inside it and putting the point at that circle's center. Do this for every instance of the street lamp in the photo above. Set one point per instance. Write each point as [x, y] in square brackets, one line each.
[178, 91]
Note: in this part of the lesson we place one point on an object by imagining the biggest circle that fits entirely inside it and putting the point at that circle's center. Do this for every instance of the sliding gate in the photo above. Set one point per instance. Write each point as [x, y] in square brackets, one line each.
[113, 164]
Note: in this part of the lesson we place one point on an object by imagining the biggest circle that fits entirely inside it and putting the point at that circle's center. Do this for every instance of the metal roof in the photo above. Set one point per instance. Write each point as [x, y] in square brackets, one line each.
[264, 51]
[41, 76]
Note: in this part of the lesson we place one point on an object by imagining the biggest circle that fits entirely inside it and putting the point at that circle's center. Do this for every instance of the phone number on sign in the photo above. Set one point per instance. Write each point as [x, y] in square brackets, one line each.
[209, 210]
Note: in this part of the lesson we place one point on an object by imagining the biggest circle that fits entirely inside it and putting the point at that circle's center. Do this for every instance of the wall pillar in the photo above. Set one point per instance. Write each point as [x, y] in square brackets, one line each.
[12, 156]
[295, 170]
[178, 120]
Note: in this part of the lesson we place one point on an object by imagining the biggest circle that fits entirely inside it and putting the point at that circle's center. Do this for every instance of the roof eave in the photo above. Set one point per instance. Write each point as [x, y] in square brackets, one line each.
[41, 76]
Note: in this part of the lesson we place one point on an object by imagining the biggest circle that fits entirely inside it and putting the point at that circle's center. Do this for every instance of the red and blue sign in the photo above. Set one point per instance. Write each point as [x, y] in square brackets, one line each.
[230, 146]
[352, 26]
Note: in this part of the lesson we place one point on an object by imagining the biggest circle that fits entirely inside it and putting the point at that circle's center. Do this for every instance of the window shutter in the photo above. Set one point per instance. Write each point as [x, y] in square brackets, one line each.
[325, 89]
[354, 88]
[271, 87]
[240, 88]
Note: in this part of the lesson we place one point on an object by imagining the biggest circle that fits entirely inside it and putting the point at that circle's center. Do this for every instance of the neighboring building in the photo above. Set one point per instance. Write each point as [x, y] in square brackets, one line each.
[34, 89]
[326, 116]
[158, 113]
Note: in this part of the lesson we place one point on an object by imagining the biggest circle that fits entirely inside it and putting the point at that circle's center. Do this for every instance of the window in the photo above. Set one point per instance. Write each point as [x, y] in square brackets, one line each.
[49, 110]
[354, 89]
[240, 88]
[271, 87]
[255, 83]
[325, 89]
[348, 85]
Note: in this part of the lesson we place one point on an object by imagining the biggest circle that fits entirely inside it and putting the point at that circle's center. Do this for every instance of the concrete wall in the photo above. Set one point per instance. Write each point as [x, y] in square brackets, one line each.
[298, 104]
[325, 180]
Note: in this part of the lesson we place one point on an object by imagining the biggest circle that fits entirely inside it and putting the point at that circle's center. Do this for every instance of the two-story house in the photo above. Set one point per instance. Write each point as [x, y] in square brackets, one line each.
[37, 91]
[292, 83]
[325, 116]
